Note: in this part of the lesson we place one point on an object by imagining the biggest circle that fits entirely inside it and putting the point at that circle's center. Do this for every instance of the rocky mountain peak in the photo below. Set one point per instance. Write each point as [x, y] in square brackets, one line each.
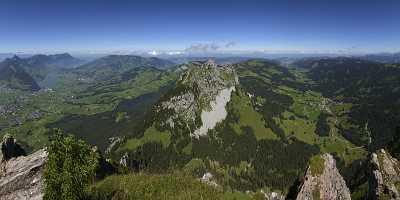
[15, 58]
[198, 102]
[22, 177]
[323, 180]
[384, 181]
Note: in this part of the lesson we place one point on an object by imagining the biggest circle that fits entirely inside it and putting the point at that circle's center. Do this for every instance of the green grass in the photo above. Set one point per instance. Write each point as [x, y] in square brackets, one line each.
[188, 149]
[150, 135]
[300, 122]
[152, 187]
[248, 117]
[237, 196]
[317, 165]
[300, 128]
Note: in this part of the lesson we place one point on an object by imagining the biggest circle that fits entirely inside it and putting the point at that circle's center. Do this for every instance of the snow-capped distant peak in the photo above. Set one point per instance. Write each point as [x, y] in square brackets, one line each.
[153, 53]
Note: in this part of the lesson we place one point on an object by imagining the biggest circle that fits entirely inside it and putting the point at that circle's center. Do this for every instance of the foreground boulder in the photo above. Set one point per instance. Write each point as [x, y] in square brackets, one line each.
[384, 180]
[22, 177]
[10, 149]
[323, 181]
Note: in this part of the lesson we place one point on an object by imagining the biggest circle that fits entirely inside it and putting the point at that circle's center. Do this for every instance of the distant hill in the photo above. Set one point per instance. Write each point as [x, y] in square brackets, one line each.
[383, 57]
[13, 75]
[40, 66]
[218, 60]
[64, 60]
[105, 67]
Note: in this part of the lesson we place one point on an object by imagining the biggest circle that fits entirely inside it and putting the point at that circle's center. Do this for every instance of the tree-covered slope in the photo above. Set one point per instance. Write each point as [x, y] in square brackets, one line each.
[103, 68]
[43, 68]
[372, 92]
[14, 76]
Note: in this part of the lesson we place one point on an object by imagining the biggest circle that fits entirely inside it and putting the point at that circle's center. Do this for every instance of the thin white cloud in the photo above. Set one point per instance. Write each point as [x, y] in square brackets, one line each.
[230, 44]
[202, 47]
[175, 53]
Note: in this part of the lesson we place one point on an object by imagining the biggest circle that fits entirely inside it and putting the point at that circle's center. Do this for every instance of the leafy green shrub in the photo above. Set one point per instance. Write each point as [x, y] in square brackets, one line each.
[71, 164]
[317, 165]
[195, 167]
[322, 128]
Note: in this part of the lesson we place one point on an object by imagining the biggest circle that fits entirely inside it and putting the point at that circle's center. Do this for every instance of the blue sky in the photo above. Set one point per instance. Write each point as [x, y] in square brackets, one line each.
[177, 25]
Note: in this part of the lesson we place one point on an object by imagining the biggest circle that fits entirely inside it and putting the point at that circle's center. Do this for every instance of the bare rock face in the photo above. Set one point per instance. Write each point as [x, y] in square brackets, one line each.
[384, 180]
[208, 179]
[198, 102]
[272, 195]
[323, 181]
[21, 178]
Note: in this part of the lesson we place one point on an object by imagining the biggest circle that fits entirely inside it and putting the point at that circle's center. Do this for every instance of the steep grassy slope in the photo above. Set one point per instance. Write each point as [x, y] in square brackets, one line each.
[169, 186]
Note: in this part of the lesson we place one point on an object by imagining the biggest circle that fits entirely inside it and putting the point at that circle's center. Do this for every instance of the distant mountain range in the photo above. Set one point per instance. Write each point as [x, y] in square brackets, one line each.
[45, 70]
[218, 60]
[383, 57]
[112, 65]
[57, 60]
[34, 70]
[13, 75]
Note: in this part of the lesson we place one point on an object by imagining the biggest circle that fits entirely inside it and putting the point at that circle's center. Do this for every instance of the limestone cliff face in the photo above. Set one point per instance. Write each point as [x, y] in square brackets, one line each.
[21, 177]
[384, 180]
[198, 102]
[324, 182]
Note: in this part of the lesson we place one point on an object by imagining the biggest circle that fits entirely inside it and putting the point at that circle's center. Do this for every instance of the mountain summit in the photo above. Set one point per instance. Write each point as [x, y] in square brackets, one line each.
[202, 93]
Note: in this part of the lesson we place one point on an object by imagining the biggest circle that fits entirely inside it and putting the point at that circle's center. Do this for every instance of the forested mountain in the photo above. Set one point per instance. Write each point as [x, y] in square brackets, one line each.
[13, 75]
[108, 66]
[383, 57]
[64, 60]
[371, 89]
[219, 60]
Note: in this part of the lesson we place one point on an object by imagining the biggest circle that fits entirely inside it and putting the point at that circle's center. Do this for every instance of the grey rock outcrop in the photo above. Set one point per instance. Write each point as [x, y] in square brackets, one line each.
[384, 180]
[208, 179]
[272, 195]
[328, 185]
[21, 178]
[10, 149]
[199, 100]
